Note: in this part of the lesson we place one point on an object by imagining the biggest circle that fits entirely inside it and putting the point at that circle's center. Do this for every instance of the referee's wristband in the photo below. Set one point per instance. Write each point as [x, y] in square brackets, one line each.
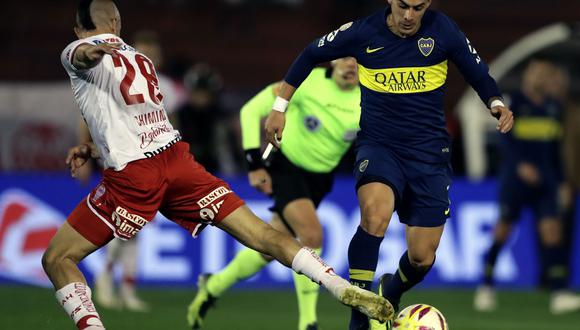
[254, 159]
[280, 104]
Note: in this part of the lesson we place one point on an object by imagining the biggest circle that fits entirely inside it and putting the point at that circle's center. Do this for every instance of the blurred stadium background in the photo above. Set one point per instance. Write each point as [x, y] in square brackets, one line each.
[248, 44]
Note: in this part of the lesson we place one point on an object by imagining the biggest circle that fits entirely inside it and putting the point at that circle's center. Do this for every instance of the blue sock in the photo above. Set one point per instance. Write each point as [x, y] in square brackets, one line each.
[404, 279]
[490, 261]
[363, 256]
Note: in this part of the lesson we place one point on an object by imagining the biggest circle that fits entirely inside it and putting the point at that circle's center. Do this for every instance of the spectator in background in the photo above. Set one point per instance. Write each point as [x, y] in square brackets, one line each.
[122, 252]
[202, 120]
[530, 176]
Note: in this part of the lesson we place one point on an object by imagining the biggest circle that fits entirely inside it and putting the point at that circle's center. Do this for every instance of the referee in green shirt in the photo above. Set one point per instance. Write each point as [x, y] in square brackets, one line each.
[323, 118]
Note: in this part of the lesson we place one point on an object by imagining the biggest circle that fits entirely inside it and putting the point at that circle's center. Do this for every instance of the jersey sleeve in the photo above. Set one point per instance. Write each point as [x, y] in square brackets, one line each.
[339, 43]
[251, 114]
[67, 55]
[470, 64]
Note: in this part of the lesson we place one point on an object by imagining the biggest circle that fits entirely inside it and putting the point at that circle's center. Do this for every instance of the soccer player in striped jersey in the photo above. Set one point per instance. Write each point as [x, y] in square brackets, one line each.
[323, 117]
[148, 169]
[403, 149]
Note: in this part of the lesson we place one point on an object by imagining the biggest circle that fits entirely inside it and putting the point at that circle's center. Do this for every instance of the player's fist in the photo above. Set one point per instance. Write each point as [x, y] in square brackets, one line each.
[78, 156]
[274, 127]
[505, 118]
[261, 180]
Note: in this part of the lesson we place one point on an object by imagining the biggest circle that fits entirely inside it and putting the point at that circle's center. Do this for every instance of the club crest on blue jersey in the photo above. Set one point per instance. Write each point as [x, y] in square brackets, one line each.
[426, 46]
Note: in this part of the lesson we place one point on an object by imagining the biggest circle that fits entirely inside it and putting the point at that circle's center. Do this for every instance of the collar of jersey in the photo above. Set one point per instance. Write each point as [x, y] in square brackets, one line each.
[105, 36]
[384, 24]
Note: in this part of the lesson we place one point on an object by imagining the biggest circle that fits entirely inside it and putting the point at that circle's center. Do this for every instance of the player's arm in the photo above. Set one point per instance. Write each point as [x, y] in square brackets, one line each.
[476, 73]
[85, 56]
[83, 173]
[339, 43]
[250, 117]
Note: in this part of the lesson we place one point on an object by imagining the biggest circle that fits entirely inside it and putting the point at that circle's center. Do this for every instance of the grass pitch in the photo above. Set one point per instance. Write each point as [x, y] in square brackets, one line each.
[23, 308]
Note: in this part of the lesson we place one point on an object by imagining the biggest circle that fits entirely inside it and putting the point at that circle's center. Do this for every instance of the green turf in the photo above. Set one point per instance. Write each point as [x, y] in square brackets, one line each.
[23, 308]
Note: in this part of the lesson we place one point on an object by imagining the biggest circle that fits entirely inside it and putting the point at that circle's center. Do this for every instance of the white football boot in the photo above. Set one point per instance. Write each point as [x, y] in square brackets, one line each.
[485, 299]
[564, 302]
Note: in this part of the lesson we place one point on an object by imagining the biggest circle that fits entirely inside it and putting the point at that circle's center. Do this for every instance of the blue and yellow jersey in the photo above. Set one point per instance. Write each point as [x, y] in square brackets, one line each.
[402, 79]
[535, 137]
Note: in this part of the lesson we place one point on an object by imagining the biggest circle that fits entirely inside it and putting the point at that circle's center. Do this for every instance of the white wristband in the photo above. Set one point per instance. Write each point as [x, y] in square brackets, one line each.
[280, 104]
[496, 103]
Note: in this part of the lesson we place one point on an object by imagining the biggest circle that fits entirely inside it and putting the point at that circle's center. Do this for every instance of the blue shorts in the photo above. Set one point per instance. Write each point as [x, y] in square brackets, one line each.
[514, 195]
[421, 189]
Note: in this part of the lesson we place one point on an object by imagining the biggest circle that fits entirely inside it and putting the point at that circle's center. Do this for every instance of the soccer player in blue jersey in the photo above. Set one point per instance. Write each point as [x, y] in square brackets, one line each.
[403, 148]
[530, 176]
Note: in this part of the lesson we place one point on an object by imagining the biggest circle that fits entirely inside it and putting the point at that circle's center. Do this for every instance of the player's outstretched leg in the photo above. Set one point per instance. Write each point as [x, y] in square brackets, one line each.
[256, 234]
[66, 249]
[211, 286]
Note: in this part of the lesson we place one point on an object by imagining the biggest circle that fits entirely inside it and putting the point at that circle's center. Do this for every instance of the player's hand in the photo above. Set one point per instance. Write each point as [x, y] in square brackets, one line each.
[274, 127]
[529, 174]
[96, 52]
[261, 180]
[78, 156]
[88, 56]
[505, 118]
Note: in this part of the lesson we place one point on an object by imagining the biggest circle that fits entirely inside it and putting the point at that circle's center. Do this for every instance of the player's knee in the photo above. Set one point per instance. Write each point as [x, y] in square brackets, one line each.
[550, 232]
[50, 259]
[312, 240]
[502, 230]
[375, 218]
[311, 236]
[422, 259]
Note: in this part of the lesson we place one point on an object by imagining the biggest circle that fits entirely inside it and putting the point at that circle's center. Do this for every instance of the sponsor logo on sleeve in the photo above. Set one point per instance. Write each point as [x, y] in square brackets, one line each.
[330, 37]
[473, 51]
[363, 165]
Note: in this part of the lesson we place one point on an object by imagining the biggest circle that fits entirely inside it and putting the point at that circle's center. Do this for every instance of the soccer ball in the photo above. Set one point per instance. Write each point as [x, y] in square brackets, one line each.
[420, 317]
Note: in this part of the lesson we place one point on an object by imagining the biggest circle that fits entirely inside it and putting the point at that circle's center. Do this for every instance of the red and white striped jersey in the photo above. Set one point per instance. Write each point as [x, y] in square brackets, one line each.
[121, 103]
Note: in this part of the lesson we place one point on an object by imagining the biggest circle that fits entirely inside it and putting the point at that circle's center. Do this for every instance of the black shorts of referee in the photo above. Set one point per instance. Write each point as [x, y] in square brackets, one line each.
[290, 182]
